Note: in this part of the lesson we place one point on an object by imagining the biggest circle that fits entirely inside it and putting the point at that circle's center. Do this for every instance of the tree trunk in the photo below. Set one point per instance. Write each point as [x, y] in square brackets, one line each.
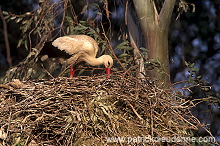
[155, 28]
[157, 41]
[135, 37]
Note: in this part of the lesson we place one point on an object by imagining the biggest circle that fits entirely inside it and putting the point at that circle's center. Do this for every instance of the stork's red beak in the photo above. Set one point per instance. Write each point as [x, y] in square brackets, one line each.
[108, 71]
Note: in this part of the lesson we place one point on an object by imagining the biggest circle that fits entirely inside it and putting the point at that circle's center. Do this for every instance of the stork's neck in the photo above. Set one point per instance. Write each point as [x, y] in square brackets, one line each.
[93, 61]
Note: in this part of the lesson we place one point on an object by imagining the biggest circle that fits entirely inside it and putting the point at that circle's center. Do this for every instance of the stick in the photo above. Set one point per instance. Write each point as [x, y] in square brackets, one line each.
[7, 46]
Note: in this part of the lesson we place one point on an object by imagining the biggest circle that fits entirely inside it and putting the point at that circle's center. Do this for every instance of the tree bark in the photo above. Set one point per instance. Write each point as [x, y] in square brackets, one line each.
[155, 28]
[135, 37]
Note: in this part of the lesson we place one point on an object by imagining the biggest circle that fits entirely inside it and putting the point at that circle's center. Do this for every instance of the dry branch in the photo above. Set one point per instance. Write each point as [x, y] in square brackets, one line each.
[7, 46]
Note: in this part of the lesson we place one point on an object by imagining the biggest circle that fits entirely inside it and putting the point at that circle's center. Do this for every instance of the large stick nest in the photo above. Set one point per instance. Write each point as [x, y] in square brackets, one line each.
[86, 110]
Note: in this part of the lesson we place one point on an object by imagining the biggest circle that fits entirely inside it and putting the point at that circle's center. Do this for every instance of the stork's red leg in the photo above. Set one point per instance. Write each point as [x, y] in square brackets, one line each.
[108, 70]
[72, 71]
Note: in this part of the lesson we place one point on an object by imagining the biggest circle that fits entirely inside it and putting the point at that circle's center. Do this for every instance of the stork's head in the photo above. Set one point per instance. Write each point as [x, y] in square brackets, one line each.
[107, 61]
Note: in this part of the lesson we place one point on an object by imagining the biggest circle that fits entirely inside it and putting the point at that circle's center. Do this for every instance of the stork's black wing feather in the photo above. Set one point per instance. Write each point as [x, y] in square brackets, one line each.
[53, 52]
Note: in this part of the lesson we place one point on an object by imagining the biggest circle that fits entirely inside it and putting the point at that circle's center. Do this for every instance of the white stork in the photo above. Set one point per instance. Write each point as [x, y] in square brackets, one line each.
[74, 49]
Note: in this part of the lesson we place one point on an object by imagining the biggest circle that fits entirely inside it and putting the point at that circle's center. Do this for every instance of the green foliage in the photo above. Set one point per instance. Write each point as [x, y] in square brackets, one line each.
[25, 25]
[214, 99]
[200, 85]
[145, 52]
[33, 24]
[154, 64]
[124, 45]
[24, 70]
[184, 7]
[125, 56]
[129, 61]
[192, 78]
[69, 24]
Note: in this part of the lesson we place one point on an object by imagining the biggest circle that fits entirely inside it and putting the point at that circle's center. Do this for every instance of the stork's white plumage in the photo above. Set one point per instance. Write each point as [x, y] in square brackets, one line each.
[82, 48]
